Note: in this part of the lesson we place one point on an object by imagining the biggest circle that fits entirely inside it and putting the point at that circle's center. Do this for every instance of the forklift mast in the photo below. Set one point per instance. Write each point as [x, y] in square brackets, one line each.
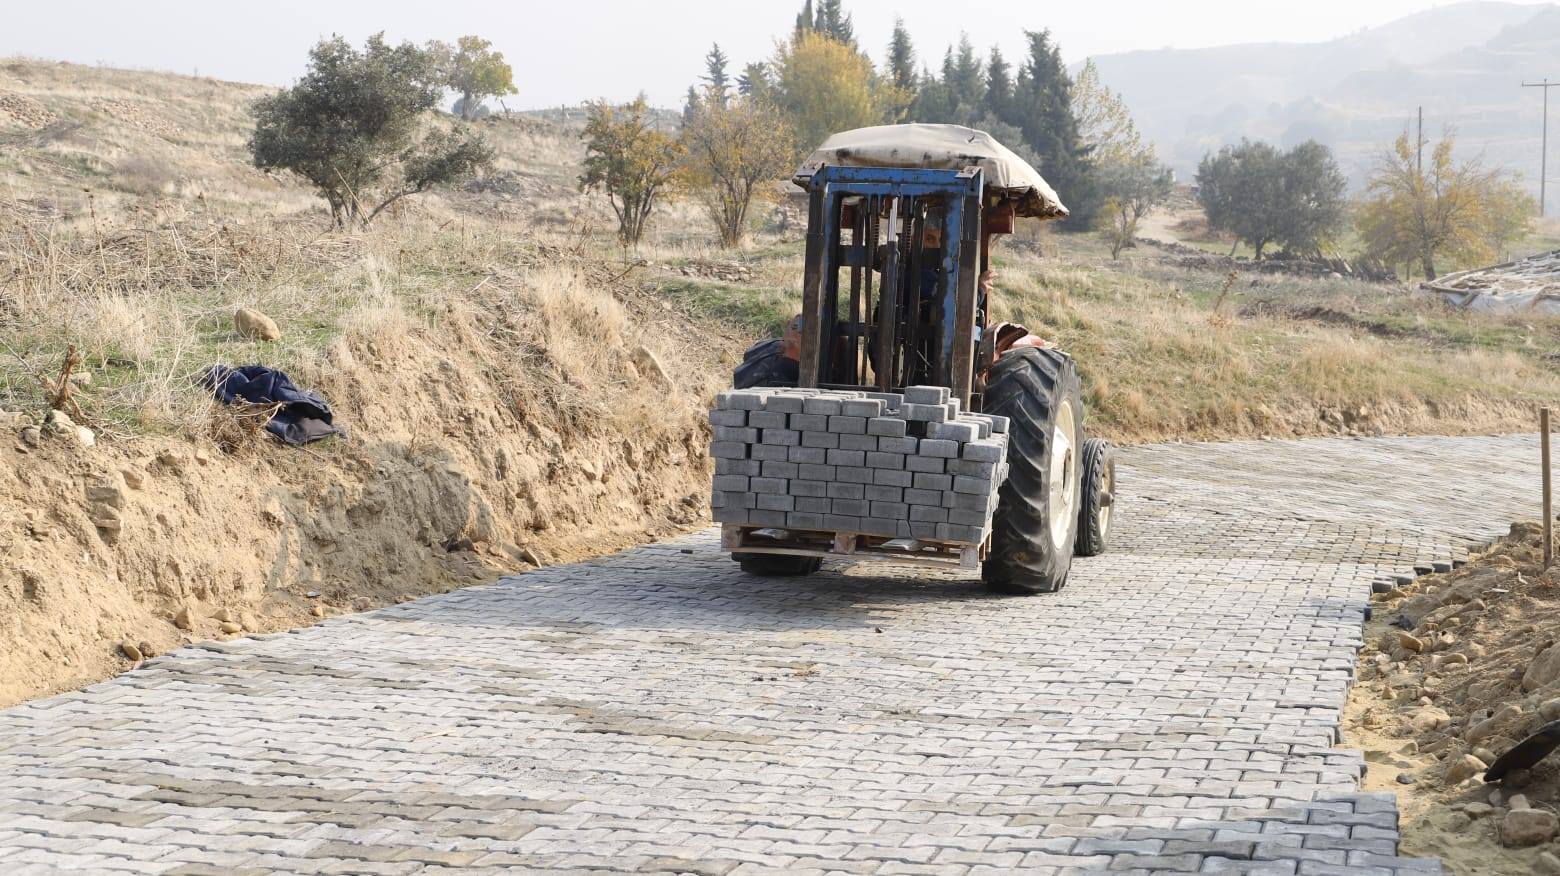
[889, 295]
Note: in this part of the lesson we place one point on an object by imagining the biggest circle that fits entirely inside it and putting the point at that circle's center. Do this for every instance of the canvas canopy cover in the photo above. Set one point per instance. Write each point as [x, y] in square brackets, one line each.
[952, 147]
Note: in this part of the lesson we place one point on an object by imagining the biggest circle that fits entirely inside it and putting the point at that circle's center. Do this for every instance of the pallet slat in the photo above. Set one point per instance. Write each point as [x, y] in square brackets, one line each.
[828, 543]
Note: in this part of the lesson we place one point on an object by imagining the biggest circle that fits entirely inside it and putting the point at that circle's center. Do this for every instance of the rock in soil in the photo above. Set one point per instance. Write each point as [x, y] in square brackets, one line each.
[130, 650]
[1527, 827]
[255, 325]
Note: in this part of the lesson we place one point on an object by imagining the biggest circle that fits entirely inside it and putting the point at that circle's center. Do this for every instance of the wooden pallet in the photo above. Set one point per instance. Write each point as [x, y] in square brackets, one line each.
[861, 546]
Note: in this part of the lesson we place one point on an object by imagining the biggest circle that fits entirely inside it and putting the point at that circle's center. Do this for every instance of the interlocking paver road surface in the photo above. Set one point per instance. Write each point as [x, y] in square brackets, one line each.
[1174, 709]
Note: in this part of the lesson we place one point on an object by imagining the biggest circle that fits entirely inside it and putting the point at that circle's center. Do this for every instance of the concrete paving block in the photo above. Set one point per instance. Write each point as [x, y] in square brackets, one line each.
[731, 483]
[728, 450]
[748, 467]
[920, 463]
[804, 520]
[784, 403]
[838, 490]
[768, 502]
[881, 493]
[954, 431]
[813, 455]
[741, 399]
[903, 444]
[966, 501]
[847, 457]
[855, 475]
[930, 481]
[880, 526]
[891, 477]
[968, 518]
[766, 420]
[777, 486]
[939, 447]
[771, 468]
[879, 459]
[886, 427]
[928, 514]
[823, 406]
[843, 425]
[729, 514]
[809, 488]
[738, 500]
[858, 442]
[926, 395]
[972, 469]
[985, 450]
[826, 440]
[781, 437]
[813, 504]
[808, 472]
[891, 400]
[923, 497]
[924, 413]
[842, 522]
[999, 423]
[770, 452]
[890, 510]
[926, 530]
[981, 422]
[965, 534]
[853, 507]
[728, 417]
[808, 422]
[978, 486]
[863, 407]
[766, 518]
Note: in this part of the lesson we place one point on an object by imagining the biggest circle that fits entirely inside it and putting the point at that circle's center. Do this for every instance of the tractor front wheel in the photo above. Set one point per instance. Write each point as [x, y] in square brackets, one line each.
[1036, 521]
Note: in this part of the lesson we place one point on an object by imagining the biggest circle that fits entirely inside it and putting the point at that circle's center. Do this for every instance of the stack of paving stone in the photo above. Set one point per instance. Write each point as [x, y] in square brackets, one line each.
[885, 464]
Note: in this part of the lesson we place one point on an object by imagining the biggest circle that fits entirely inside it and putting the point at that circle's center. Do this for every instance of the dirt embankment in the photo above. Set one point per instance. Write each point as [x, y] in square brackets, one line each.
[1458, 669]
[472, 453]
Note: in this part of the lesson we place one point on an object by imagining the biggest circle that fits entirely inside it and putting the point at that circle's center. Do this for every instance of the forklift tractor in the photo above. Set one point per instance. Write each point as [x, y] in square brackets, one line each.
[896, 294]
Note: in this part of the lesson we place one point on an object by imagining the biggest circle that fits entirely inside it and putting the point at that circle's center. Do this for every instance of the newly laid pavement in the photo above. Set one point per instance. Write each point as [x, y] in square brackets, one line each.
[1175, 709]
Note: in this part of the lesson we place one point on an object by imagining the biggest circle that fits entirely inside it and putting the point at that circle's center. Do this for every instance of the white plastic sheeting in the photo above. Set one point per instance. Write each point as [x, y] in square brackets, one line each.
[952, 147]
[1530, 285]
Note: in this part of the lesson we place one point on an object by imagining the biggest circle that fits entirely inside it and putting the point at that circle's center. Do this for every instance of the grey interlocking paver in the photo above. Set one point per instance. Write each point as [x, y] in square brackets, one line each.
[1175, 709]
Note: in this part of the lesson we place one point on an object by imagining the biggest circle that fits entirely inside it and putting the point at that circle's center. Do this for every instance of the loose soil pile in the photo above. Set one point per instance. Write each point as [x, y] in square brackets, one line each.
[473, 452]
[1458, 668]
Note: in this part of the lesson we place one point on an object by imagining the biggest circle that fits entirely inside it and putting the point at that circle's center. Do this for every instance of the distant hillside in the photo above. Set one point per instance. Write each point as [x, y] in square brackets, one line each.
[1462, 63]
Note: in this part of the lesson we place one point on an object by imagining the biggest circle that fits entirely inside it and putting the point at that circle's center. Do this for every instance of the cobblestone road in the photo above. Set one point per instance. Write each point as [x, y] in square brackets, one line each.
[1173, 710]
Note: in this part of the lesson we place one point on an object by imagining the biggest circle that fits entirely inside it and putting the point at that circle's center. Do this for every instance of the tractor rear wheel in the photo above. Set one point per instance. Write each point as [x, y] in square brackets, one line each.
[1098, 498]
[1036, 522]
[777, 565]
[765, 364]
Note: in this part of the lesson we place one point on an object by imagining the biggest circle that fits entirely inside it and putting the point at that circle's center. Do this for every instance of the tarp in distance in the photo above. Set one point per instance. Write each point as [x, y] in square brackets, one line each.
[951, 147]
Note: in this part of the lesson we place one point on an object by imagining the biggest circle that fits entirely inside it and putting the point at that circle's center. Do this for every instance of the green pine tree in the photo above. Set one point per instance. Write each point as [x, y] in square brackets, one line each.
[1042, 110]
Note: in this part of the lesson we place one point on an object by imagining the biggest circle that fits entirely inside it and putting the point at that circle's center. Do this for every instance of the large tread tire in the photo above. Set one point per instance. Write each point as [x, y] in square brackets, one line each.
[777, 565]
[1096, 502]
[1029, 386]
[764, 364]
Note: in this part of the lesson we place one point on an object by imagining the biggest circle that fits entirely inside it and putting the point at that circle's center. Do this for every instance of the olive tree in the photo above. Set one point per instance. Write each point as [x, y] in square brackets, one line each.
[357, 126]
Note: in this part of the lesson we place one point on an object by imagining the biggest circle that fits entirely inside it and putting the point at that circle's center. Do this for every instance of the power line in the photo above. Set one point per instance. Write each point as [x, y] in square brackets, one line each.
[1543, 155]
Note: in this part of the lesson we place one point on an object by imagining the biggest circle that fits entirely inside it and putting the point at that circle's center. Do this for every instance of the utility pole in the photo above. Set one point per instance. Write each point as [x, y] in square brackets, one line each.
[1543, 156]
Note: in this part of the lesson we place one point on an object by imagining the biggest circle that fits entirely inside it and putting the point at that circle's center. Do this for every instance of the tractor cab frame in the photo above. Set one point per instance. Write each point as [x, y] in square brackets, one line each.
[890, 291]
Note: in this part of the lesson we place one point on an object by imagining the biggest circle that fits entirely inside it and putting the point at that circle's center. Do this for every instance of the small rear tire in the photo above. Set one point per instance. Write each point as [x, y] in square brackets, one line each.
[1098, 499]
[777, 565]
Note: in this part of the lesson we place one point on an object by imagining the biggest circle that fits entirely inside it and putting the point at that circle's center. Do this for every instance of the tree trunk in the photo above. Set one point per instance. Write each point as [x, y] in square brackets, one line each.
[1429, 263]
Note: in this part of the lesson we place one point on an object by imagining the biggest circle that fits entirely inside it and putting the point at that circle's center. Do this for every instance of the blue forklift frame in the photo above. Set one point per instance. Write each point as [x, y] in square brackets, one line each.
[885, 339]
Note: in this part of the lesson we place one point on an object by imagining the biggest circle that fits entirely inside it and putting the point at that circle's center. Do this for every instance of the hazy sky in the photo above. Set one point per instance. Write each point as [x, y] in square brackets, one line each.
[565, 51]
